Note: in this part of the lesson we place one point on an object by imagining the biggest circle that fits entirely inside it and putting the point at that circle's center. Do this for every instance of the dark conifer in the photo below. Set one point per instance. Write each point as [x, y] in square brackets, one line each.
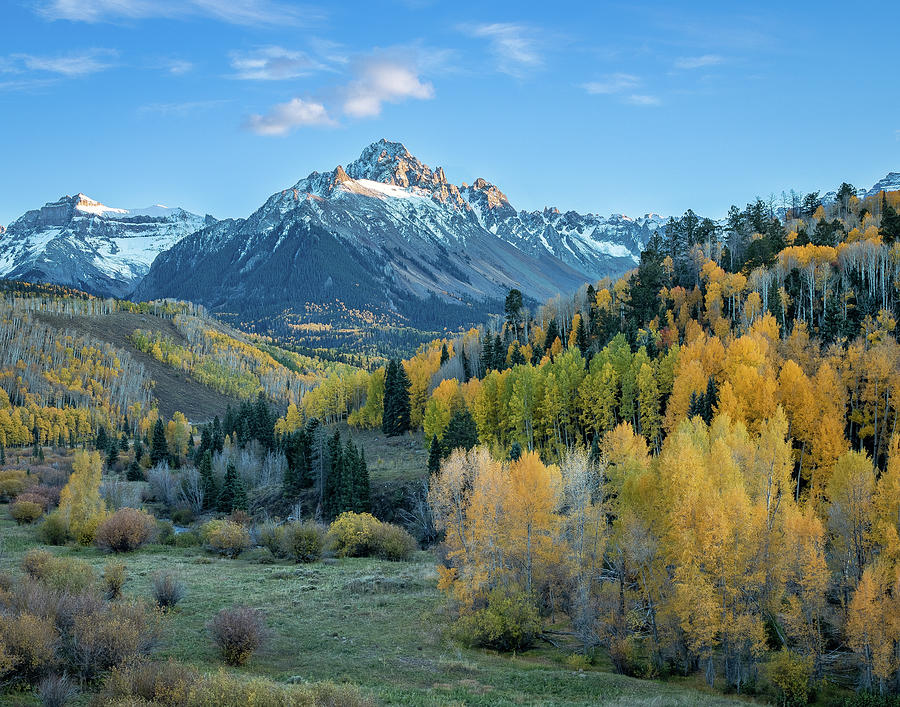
[159, 448]
[434, 455]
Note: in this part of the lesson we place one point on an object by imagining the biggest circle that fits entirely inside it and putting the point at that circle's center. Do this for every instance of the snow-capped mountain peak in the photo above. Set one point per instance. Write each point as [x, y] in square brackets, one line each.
[80, 242]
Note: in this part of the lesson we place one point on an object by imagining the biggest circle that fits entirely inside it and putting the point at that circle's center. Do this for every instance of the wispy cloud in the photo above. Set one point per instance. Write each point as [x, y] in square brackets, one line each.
[698, 62]
[514, 46]
[643, 99]
[181, 110]
[272, 64]
[285, 117]
[178, 67]
[382, 80]
[612, 83]
[238, 12]
[73, 64]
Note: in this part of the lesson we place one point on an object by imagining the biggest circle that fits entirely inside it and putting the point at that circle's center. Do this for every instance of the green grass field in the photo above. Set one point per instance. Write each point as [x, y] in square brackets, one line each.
[377, 624]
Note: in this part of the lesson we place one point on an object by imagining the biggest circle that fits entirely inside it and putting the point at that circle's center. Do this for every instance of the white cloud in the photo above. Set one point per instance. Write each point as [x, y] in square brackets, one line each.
[239, 12]
[271, 64]
[698, 62]
[642, 99]
[73, 64]
[612, 83]
[513, 45]
[381, 81]
[284, 117]
[179, 66]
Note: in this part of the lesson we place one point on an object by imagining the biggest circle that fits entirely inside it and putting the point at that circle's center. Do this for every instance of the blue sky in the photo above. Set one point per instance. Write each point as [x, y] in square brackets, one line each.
[607, 107]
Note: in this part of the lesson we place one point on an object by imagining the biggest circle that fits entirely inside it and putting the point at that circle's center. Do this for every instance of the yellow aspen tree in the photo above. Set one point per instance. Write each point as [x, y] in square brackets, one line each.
[80, 503]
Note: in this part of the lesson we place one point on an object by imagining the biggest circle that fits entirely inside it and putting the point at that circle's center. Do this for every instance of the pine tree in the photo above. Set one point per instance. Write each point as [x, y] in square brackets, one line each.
[487, 354]
[363, 495]
[445, 355]
[890, 222]
[334, 481]
[138, 450]
[389, 414]
[467, 371]
[515, 452]
[233, 496]
[402, 405]
[709, 401]
[774, 302]
[159, 449]
[210, 487]
[2, 453]
[112, 454]
[218, 438]
[123, 443]
[581, 337]
[38, 450]
[134, 471]
[102, 440]
[695, 406]
[434, 455]
[552, 334]
[461, 432]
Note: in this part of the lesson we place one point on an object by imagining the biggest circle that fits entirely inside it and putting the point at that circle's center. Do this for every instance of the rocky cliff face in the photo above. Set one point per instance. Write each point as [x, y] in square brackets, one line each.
[79, 242]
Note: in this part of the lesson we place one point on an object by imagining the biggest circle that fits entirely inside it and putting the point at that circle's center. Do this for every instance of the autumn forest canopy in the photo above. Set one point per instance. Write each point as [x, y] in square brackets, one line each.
[691, 470]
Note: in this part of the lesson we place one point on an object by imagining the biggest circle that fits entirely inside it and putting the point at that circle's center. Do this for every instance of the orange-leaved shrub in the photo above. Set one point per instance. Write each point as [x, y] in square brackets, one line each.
[125, 530]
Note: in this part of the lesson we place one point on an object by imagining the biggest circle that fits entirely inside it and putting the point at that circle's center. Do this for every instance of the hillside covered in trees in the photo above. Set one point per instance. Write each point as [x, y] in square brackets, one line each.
[698, 464]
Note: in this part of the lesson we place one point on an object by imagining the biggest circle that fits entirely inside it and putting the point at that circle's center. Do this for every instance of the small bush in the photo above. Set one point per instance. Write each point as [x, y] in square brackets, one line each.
[167, 590]
[241, 518]
[56, 691]
[54, 530]
[363, 535]
[168, 683]
[302, 542]
[36, 494]
[28, 643]
[189, 538]
[60, 573]
[25, 512]
[12, 483]
[165, 533]
[270, 536]
[507, 623]
[114, 579]
[225, 537]
[125, 530]
[238, 633]
[259, 555]
[790, 674]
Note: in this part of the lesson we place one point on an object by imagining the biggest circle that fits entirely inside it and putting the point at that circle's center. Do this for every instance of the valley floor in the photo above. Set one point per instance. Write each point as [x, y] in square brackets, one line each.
[374, 623]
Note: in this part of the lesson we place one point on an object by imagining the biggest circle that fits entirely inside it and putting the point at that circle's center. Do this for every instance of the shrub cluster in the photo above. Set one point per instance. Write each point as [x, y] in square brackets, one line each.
[53, 622]
[363, 535]
[125, 530]
[509, 622]
[300, 542]
[167, 590]
[54, 530]
[24, 511]
[175, 685]
[12, 483]
[225, 537]
[238, 633]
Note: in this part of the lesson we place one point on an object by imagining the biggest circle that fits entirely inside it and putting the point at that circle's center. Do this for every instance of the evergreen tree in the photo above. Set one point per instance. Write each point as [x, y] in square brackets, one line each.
[348, 499]
[581, 336]
[695, 406]
[434, 455]
[101, 443]
[2, 453]
[138, 450]
[487, 354]
[710, 400]
[403, 407]
[890, 222]
[123, 442]
[334, 480]
[774, 302]
[233, 496]
[363, 494]
[38, 450]
[389, 414]
[112, 454]
[461, 432]
[515, 452]
[134, 471]
[499, 354]
[467, 370]
[445, 355]
[159, 449]
[223, 428]
[208, 480]
[552, 334]
[205, 440]
[517, 358]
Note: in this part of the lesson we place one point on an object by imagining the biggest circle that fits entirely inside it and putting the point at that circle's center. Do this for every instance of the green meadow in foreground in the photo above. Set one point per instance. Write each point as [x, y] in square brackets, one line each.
[377, 624]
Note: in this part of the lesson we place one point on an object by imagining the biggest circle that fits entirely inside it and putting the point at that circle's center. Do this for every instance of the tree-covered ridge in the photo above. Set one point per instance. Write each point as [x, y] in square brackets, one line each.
[58, 385]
